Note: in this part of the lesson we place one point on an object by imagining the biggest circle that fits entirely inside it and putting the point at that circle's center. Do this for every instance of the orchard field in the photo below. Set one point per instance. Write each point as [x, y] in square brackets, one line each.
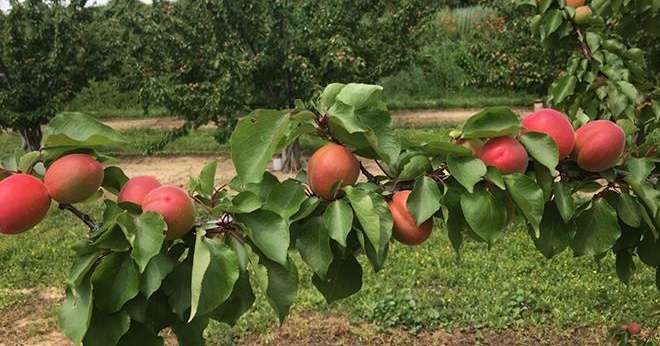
[452, 172]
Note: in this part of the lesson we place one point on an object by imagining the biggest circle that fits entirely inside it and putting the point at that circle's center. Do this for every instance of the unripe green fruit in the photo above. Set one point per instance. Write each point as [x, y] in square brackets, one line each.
[176, 208]
[24, 202]
[405, 228]
[582, 15]
[330, 164]
[599, 145]
[137, 188]
[73, 178]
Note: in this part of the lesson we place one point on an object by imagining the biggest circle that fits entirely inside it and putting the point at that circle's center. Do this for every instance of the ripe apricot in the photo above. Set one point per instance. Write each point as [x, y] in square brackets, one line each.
[24, 202]
[73, 178]
[137, 188]
[329, 165]
[599, 145]
[405, 228]
[176, 208]
[505, 154]
[554, 124]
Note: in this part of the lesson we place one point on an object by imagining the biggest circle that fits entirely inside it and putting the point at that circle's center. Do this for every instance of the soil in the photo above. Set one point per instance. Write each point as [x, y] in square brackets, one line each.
[409, 118]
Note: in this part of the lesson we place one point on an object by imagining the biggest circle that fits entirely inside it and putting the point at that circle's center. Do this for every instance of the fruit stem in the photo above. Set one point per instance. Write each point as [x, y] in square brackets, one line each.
[86, 219]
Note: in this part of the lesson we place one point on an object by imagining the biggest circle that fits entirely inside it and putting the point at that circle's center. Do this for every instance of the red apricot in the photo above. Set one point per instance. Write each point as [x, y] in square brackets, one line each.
[24, 202]
[575, 3]
[405, 228]
[599, 145]
[554, 124]
[176, 208]
[634, 328]
[73, 178]
[137, 188]
[582, 14]
[330, 164]
[505, 154]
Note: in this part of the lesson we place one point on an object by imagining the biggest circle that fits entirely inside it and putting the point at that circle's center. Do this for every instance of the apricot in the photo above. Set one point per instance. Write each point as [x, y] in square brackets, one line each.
[24, 202]
[506, 154]
[599, 145]
[575, 3]
[137, 188]
[329, 165]
[73, 178]
[582, 15]
[634, 328]
[405, 228]
[176, 208]
[554, 124]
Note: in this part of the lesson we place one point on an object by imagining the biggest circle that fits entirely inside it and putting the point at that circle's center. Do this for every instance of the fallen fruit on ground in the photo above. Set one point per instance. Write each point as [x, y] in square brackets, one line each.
[599, 145]
[330, 165]
[73, 178]
[137, 188]
[634, 328]
[175, 206]
[405, 228]
[24, 202]
[554, 124]
[506, 154]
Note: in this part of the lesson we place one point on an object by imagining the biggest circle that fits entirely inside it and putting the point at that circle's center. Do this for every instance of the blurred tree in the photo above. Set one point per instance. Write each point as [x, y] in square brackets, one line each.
[47, 54]
[213, 60]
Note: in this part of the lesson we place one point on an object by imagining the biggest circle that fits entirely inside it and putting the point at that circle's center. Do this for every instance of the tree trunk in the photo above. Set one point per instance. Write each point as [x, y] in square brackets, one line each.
[31, 138]
[292, 158]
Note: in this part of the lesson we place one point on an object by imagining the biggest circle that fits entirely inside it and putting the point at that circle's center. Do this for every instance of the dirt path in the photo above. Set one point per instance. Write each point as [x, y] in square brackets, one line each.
[411, 118]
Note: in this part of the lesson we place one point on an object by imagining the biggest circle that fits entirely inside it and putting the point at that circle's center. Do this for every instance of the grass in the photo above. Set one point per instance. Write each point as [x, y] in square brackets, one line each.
[510, 286]
[463, 99]
[156, 112]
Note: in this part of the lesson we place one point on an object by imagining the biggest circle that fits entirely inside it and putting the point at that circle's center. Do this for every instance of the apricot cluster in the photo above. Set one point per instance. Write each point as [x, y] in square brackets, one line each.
[74, 178]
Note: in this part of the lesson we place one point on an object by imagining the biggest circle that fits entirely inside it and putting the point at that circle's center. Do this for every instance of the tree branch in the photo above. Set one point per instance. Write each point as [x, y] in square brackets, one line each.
[583, 45]
[370, 177]
[86, 219]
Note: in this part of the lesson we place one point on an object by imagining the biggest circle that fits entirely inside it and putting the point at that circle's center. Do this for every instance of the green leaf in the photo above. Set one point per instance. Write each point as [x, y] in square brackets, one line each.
[364, 209]
[116, 281]
[551, 21]
[113, 179]
[157, 270]
[214, 272]
[466, 170]
[495, 177]
[563, 88]
[285, 198]
[485, 215]
[646, 193]
[76, 312]
[344, 279]
[649, 250]
[207, 178]
[313, 243]
[491, 122]
[360, 95]
[243, 202]
[381, 137]
[424, 200]
[238, 303]
[306, 208]
[628, 210]
[597, 229]
[79, 130]
[564, 201]
[145, 233]
[555, 233]
[544, 179]
[107, 329]
[81, 266]
[177, 288]
[140, 334]
[527, 196]
[344, 115]
[542, 148]
[254, 141]
[640, 168]
[280, 286]
[269, 232]
[329, 95]
[338, 220]
[28, 160]
[414, 167]
[625, 266]
[593, 40]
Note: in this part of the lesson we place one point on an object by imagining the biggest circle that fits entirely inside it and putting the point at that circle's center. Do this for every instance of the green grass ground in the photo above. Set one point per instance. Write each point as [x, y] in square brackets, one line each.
[511, 285]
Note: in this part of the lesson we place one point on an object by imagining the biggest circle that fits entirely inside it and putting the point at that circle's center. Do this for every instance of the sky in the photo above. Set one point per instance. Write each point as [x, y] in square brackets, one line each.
[4, 4]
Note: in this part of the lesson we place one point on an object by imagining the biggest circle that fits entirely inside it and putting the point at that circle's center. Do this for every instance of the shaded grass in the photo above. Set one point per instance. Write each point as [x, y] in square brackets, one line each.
[156, 112]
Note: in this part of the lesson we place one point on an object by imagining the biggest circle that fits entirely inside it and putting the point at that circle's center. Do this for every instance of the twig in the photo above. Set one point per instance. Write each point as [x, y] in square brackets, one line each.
[383, 169]
[583, 45]
[370, 177]
[86, 219]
